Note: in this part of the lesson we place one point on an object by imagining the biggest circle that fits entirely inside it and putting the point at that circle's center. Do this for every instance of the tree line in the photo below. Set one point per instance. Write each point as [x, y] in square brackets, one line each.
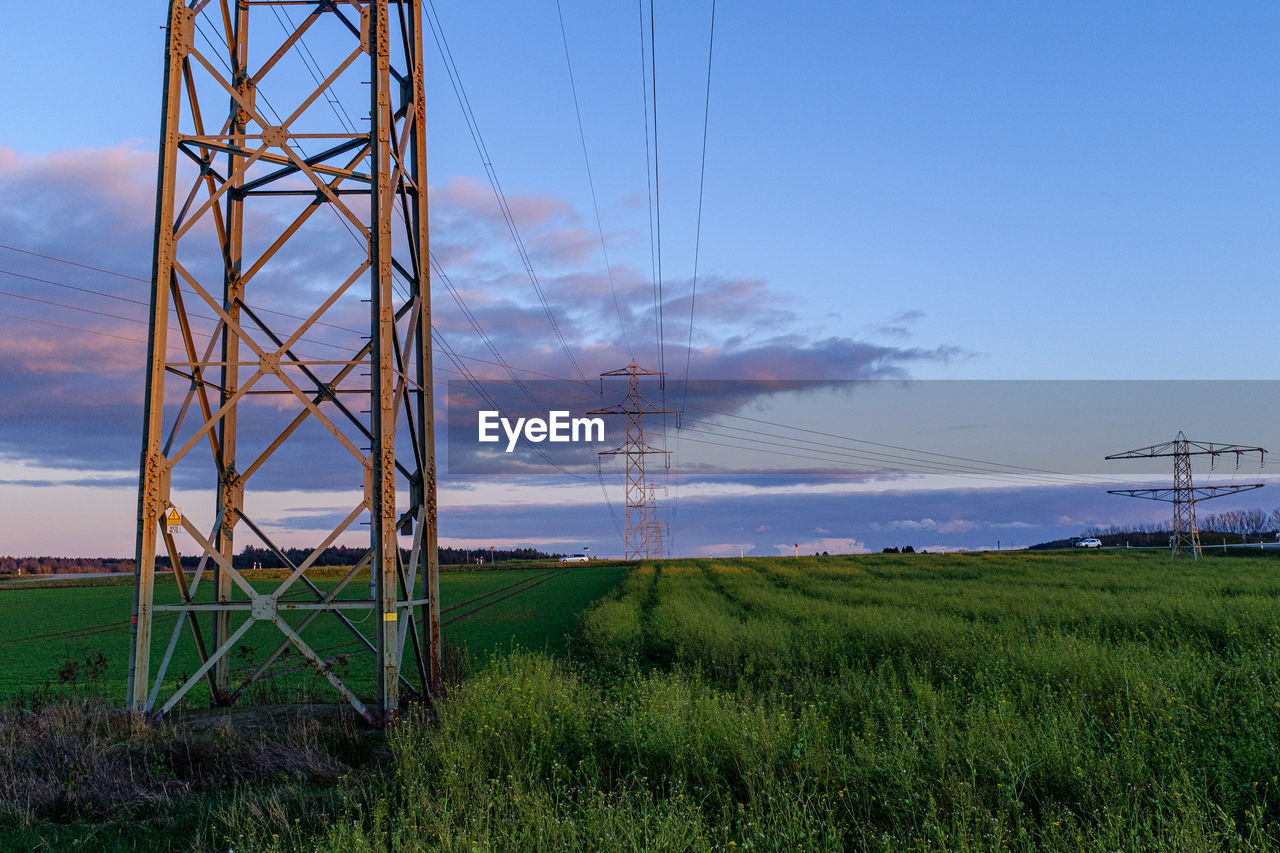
[254, 557]
[62, 565]
[1252, 523]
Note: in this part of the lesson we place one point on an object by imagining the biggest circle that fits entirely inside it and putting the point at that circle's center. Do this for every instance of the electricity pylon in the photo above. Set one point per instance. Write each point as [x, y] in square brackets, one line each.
[1184, 493]
[641, 511]
[253, 272]
[657, 545]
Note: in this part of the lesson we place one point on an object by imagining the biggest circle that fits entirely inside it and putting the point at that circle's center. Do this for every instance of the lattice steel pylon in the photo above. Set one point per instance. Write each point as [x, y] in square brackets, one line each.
[280, 250]
[1184, 494]
[657, 528]
[641, 512]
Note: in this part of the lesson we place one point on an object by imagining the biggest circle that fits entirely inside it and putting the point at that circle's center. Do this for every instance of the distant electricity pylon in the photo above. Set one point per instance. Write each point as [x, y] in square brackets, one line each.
[640, 539]
[1184, 494]
[657, 527]
[249, 228]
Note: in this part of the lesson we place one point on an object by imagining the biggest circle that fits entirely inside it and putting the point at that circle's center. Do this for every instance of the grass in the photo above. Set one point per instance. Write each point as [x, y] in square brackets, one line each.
[75, 772]
[1060, 702]
[1049, 702]
[78, 774]
[54, 631]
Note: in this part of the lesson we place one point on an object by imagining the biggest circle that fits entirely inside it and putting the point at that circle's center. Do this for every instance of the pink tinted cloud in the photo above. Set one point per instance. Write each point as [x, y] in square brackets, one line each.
[565, 246]
[466, 197]
[97, 203]
[65, 351]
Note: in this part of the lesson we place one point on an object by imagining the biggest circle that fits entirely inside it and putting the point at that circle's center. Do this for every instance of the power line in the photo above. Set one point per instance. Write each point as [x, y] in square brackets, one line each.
[502, 362]
[854, 440]
[697, 245]
[73, 287]
[335, 104]
[603, 247]
[939, 465]
[72, 328]
[702, 176]
[488, 398]
[341, 219]
[460, 92]
[985, 478]
[73, 263]
[178, 329]
[653, 183]
[74, 307]
[895, 463]
[145, 281]
[595, 205]
[507, 366]
[829, 454]
[657, 197]
[443, 349]
[120, 298]
[648, 170]
[477, 138]
[958, 466]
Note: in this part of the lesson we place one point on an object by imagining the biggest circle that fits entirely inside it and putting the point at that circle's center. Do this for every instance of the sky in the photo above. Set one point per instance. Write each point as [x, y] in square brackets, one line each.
[943, 193]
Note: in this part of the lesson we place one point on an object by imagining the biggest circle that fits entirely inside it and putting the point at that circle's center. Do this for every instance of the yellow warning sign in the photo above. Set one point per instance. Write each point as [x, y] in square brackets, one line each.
[172, 518]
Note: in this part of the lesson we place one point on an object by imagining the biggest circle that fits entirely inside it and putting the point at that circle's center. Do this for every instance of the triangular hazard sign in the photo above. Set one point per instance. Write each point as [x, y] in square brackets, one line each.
[172, 519]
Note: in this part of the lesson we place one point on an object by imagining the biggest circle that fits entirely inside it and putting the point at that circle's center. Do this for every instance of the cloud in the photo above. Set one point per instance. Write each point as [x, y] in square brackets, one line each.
[71, 392]
[959, 525]
[80, 483]
[899, 325]
[830, 545]
[955, 525]
[95, 204]
[905, 524]
[793, 356]
[466, 199]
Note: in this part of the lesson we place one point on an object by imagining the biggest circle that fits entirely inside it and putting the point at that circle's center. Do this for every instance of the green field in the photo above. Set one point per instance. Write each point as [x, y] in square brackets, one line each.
[45, 627]
[1051, 701]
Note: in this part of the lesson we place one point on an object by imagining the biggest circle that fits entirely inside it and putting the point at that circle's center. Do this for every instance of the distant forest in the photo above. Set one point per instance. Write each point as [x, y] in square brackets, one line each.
[252, 557]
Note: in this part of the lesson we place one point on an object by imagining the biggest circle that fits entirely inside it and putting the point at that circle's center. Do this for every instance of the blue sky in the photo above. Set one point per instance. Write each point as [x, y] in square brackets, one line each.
[941, 191]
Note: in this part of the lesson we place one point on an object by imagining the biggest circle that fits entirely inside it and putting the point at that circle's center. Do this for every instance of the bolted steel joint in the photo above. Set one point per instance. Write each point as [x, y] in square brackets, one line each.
[263, 608]
[275, 135]
[232, 500]
[183, 35]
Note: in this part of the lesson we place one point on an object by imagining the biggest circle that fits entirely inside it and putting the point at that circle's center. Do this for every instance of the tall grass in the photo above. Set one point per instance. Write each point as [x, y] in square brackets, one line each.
[76, 773]
[1047, 702]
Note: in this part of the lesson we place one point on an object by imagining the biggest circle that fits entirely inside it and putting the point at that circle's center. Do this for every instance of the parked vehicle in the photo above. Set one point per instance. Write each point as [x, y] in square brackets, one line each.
[1089, 543]
[575, 558]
